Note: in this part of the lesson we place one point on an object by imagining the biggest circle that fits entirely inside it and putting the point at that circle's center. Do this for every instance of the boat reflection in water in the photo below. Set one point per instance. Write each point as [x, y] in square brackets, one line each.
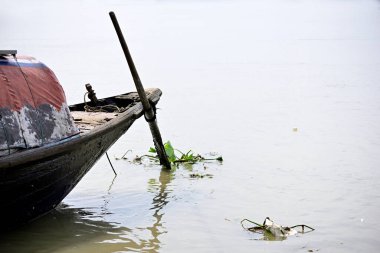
[69, 229]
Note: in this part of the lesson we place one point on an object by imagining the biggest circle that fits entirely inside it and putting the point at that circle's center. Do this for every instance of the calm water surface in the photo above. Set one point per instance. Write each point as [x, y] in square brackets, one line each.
[287, 91]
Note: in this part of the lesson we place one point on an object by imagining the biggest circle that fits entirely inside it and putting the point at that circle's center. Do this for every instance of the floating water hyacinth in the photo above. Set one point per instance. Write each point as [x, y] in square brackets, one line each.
[175, 156]
[188, 157]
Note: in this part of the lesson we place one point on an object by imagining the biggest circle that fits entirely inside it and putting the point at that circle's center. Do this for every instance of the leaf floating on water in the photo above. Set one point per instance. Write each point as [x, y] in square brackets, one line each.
[170, 152]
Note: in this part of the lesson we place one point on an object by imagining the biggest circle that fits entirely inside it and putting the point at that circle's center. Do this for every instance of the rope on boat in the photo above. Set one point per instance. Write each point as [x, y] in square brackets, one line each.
[102, 108]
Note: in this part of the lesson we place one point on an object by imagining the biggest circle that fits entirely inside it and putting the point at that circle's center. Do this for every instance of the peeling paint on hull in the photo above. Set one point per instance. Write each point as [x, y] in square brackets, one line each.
[33, 109]
[30, 127]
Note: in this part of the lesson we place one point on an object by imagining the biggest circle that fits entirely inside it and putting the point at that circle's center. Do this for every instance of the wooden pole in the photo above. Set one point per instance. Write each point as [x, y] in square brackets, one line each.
[149, 113]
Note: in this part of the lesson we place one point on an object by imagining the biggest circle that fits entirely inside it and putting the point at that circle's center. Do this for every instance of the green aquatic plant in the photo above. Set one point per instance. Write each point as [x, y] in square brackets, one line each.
[188, 157]
[175, 158]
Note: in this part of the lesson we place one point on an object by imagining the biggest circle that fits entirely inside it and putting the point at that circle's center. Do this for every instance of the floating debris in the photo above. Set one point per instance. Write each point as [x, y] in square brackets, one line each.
[197, 175]
[275, 230]
[124, 156]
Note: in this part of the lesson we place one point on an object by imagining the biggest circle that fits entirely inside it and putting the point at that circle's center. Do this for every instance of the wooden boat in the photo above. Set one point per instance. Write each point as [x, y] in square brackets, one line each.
[35, 180]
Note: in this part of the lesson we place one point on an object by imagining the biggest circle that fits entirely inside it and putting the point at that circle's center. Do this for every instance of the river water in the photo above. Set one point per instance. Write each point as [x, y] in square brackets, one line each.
[288, 92]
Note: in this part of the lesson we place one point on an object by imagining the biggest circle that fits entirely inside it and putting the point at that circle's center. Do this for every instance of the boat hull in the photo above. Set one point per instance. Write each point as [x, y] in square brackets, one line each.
[36, 181]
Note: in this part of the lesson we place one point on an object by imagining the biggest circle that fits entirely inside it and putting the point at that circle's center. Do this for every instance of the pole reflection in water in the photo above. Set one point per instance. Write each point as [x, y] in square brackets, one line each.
[159, 202]
[69, 229]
